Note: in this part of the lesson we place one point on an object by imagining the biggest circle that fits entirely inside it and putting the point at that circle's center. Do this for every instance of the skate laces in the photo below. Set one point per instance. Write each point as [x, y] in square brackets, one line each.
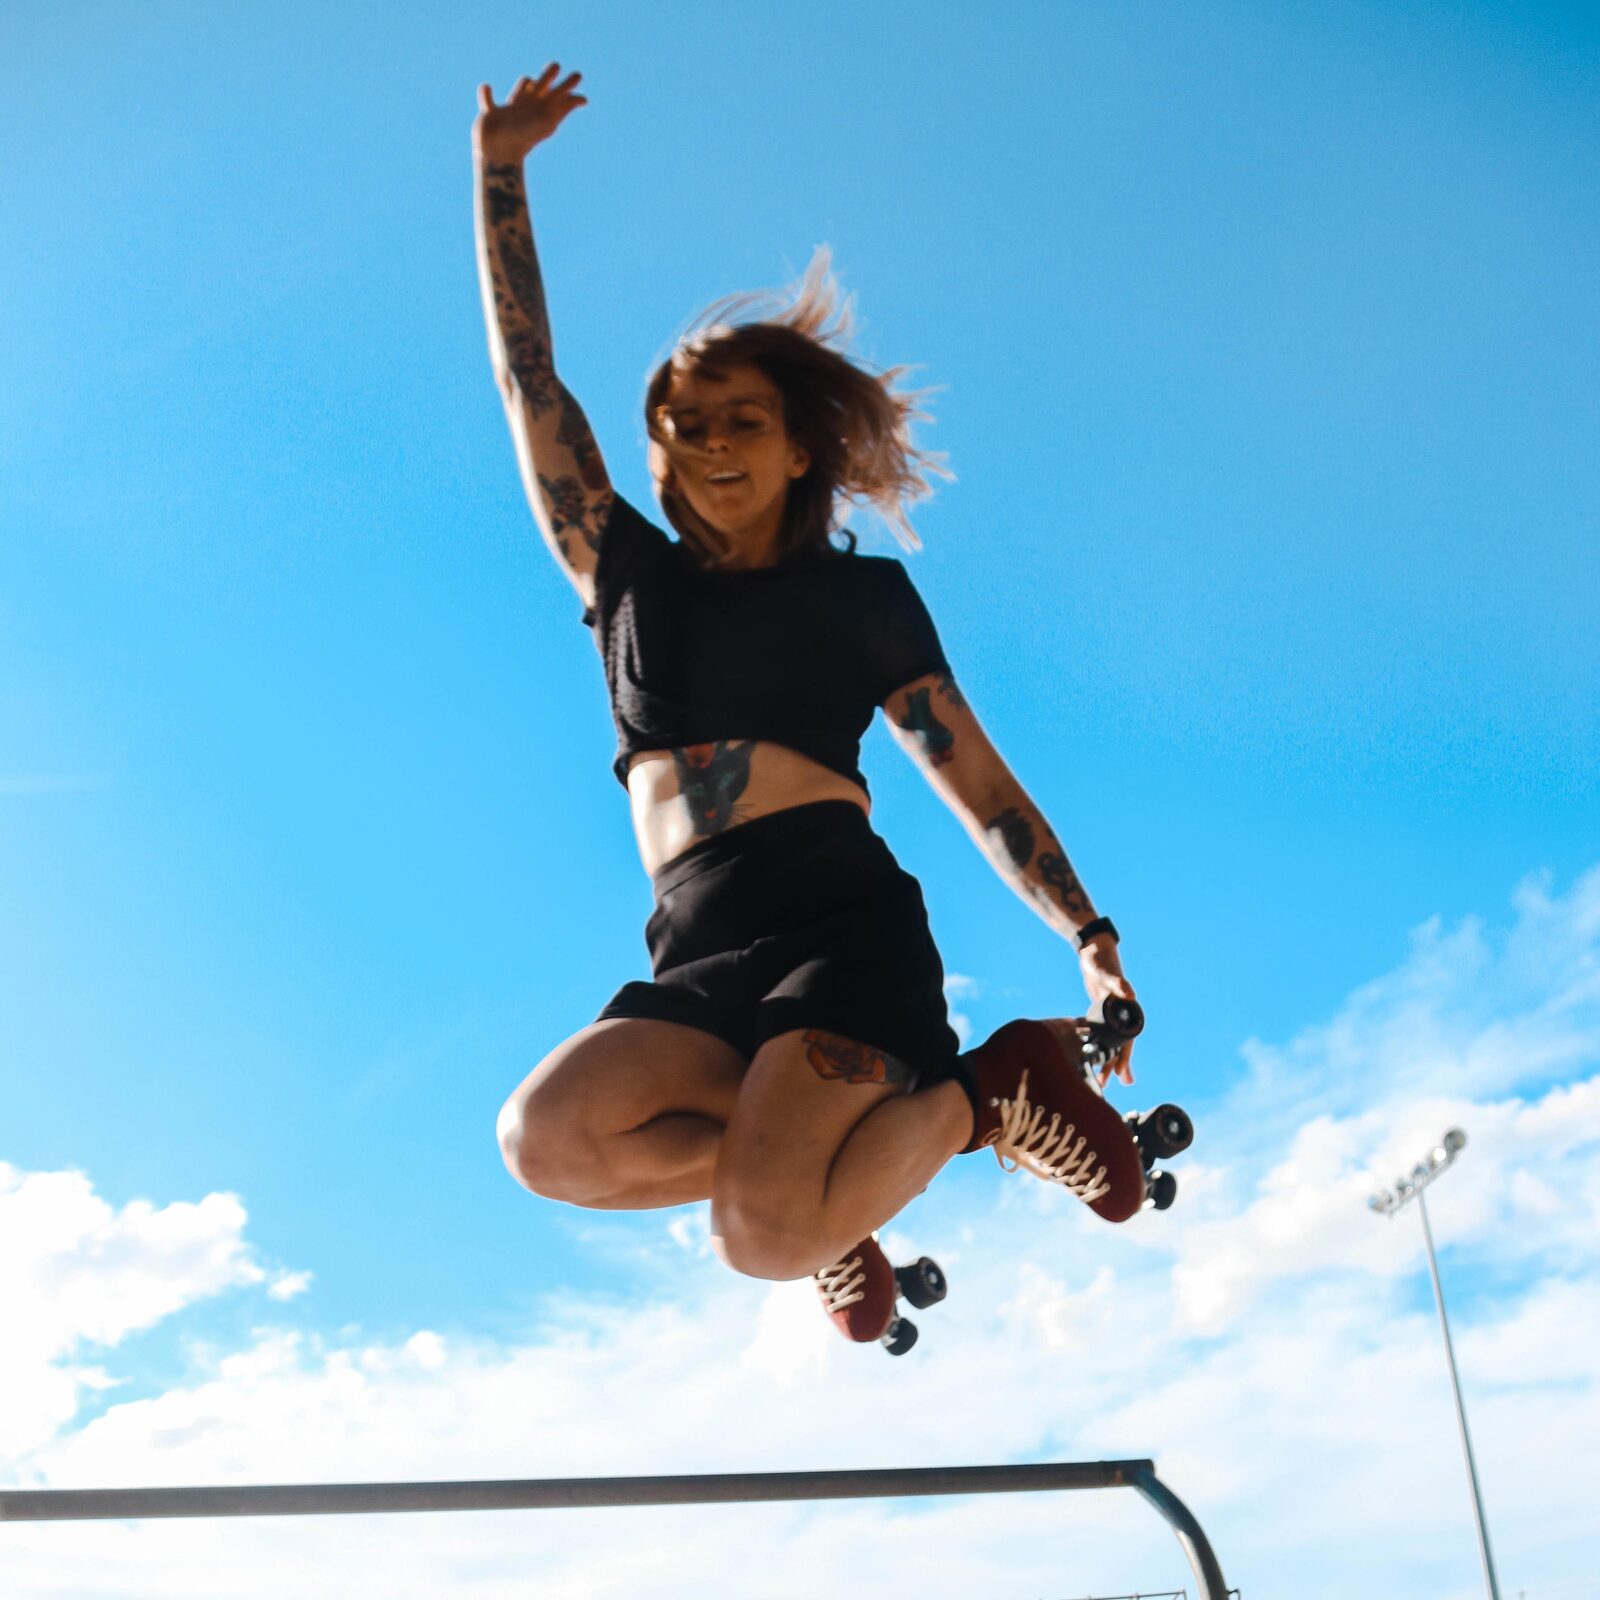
[1047, 1151]
[838, 1289]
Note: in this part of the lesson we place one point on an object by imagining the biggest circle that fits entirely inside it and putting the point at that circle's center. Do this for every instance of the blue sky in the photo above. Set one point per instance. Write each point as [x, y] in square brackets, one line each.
[1265, 346]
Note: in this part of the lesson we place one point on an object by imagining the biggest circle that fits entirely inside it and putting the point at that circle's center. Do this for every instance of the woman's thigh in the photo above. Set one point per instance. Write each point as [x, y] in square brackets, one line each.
[612, 1078]
[805, 1093]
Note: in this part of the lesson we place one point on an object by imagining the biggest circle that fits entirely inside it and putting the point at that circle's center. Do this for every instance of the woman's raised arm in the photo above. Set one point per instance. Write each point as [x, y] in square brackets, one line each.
[568, 489]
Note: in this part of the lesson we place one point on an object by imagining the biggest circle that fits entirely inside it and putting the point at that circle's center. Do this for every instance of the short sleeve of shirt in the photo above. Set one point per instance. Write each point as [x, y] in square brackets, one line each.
[626, 538]
[904, 642]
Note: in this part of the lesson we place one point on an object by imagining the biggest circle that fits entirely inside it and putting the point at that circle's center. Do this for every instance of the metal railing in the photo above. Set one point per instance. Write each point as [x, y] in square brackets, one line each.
[528, 1494]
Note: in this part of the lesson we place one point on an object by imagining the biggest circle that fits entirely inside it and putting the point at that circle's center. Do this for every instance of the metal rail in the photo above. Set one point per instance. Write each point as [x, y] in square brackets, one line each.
[526, 1494]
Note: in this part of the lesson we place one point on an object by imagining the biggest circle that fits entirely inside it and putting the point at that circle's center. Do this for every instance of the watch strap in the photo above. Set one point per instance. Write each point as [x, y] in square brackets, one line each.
[1093, 930]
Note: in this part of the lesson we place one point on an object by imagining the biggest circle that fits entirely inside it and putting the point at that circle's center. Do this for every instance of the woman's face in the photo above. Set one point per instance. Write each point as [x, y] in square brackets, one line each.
[739, 461]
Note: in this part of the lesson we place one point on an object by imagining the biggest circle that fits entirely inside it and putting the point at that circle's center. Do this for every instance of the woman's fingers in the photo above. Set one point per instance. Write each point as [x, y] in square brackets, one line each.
[543, 85]
[485, 97]
[547, 79]
[1121, 1064]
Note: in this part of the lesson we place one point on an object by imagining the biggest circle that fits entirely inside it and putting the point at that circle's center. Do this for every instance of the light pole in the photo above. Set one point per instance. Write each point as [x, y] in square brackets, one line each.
[1388, 1202]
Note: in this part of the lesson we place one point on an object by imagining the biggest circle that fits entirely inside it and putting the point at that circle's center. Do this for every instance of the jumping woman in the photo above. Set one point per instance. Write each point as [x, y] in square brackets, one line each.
[791, 1060]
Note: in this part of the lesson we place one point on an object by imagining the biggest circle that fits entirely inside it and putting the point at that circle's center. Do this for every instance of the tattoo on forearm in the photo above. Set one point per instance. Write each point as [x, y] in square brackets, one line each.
[1016, 835]
[1057, 871]
[507, 192]
[838, 1059]
[711, 778]
[518, 288]
[938, 743]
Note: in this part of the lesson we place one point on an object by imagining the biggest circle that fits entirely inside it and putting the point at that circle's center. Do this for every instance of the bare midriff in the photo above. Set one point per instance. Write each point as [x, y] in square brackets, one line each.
[682, 796]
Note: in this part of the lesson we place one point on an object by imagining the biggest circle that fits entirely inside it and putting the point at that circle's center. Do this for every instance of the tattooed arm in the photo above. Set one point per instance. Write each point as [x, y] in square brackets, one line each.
[568, 490]
[933, 724]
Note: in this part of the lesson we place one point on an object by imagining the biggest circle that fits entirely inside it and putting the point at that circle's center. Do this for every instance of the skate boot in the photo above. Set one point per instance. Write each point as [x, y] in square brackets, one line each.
[860, 1293]
[1039, 1110]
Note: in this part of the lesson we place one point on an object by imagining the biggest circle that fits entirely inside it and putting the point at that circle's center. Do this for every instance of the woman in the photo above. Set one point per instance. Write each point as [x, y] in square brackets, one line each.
[791, 1060]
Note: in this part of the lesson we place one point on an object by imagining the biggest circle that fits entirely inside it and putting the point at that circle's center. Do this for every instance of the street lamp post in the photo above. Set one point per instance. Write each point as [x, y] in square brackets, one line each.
[1387, 1202]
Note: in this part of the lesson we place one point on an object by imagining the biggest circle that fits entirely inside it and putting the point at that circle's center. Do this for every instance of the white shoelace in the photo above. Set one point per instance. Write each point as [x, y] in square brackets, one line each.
[839, 1289]
[1047, 1152]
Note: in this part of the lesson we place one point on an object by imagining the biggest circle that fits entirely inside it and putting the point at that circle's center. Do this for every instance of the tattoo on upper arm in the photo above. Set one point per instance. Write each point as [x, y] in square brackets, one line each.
[937, 742]
[570, 511]
[1057, 871]
[838, 1059]
[711, 778]
[574, 432]
[1016, 835]
[947, 687]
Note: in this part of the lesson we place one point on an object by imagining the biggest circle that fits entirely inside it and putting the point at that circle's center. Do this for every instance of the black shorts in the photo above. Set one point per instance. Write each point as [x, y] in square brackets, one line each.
[799, 919]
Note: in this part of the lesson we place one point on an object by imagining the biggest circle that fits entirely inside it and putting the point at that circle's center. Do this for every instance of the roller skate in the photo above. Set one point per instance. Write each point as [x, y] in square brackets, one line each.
[860, 1295]
[1040, 1110]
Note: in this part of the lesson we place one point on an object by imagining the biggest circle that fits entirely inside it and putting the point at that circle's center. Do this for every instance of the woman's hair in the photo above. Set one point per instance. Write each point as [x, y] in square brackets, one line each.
[854, 425]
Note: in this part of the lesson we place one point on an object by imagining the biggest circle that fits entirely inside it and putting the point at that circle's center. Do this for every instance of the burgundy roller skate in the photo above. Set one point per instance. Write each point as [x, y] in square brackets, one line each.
[860, 1292]
[1040, 1110]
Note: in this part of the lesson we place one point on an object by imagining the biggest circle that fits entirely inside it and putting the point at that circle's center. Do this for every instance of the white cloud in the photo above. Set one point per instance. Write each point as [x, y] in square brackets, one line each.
[75, 1272]
[958, 986]
[1270, 1340]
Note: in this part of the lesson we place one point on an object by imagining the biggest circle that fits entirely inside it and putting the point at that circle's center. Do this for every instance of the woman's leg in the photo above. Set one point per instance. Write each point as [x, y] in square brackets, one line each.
[824, 1146]
[626, 1115]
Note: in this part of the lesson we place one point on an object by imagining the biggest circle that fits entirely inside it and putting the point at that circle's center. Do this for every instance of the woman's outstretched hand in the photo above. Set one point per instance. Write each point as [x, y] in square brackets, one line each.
[1103, 978]
[535, 109]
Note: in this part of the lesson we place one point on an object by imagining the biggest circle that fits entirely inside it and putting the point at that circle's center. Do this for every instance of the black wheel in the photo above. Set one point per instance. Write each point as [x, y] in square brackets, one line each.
[1163, 1190]
[1125, 1018]
[922, 1283]
[1166, 1131]
[899, 1336]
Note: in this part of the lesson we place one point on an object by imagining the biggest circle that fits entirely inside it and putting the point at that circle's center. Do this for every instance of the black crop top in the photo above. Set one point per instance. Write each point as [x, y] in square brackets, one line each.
[800, 654]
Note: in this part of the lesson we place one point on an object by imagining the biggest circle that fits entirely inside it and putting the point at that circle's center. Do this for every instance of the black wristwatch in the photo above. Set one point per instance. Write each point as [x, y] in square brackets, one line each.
[1093, 930]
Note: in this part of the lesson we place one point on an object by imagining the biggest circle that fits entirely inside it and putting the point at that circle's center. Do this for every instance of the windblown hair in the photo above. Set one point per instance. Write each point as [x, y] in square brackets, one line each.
[854, 424]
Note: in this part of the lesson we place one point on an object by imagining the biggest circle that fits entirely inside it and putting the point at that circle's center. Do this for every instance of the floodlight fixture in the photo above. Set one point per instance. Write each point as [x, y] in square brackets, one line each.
[1411, 1185]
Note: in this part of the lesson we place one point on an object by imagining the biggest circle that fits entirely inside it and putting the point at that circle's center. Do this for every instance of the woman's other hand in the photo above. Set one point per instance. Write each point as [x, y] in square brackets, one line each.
[1102, 979]
[535, 109]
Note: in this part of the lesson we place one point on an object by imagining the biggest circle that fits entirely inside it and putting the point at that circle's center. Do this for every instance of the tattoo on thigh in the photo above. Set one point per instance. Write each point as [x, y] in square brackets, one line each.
[836, 1058]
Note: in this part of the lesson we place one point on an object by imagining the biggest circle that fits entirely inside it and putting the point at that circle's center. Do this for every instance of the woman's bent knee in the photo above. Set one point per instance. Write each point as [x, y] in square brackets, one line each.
[545, 1160]
[759, 1243]
[559, 1132]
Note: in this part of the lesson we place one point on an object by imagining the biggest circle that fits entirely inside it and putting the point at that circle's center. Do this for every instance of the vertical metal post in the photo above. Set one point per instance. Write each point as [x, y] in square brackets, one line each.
[1461, 1413]
[1191, 1536]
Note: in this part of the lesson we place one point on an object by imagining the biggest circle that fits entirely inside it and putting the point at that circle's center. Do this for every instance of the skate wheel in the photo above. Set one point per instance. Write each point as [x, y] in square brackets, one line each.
[899, 1336]
[1125, 1018]
[1163, 1190]
[1164, 1132]
[922, 1283]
